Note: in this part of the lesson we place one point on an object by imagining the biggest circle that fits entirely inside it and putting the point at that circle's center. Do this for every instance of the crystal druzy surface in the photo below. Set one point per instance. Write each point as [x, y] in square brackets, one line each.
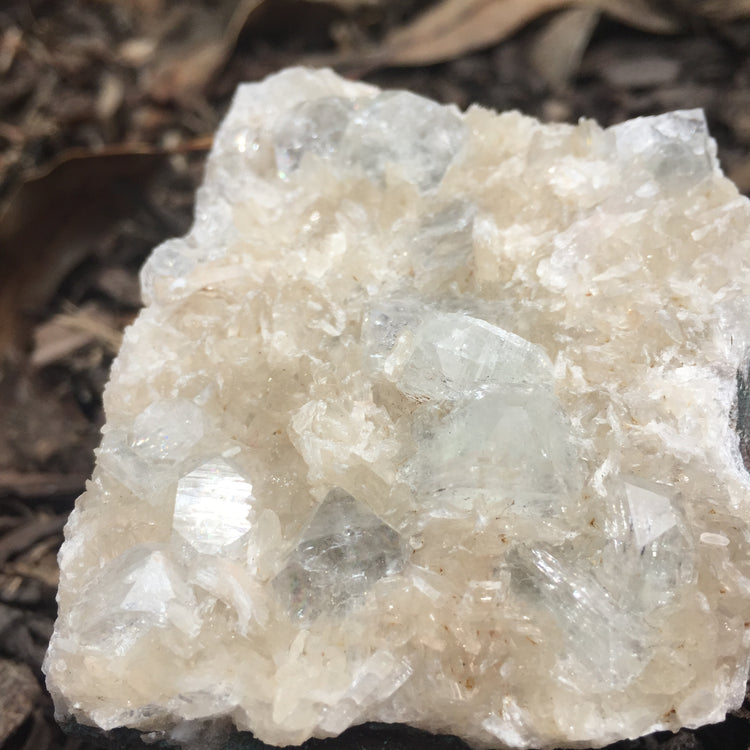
[431, 418]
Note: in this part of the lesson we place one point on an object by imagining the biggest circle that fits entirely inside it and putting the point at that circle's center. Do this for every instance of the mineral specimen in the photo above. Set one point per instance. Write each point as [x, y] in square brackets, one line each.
[431, 418]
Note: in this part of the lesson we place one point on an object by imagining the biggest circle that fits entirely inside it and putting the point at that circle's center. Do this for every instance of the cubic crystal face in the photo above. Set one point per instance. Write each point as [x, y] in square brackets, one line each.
[433, 418]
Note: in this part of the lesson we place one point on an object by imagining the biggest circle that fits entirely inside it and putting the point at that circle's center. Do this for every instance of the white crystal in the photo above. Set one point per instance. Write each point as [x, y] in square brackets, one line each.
[432, 418]
[212, 507]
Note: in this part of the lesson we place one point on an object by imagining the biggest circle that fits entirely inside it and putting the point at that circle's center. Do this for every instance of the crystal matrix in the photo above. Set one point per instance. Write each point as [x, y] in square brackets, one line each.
[431, 418]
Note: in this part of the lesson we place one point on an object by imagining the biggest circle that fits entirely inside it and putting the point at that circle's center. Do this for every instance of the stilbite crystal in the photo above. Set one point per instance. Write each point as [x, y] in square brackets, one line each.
[431, 418]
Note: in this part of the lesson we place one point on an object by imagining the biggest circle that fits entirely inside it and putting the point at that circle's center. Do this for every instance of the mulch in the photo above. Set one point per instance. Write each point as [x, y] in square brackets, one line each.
[106, 116]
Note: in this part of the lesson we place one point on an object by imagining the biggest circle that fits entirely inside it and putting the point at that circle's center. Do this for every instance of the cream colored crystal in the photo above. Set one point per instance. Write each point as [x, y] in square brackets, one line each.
[431, 418]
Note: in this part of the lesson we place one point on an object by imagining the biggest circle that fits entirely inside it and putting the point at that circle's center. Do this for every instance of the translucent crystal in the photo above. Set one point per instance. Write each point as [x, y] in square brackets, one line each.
[381, 329]
[212, 508]
[433, 418]
[418, 137]
[603, 645]
[443, 243]
[396, 129]
[167, 430]
[444, 356]
[651, 513]
[508, 447]
[315, 127]
[455, 354]
[342, 552]
[673, 146]
[140, 590]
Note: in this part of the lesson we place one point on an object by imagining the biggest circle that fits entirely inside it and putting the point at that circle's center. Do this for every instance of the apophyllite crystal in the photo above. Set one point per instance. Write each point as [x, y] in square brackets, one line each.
[431, 418]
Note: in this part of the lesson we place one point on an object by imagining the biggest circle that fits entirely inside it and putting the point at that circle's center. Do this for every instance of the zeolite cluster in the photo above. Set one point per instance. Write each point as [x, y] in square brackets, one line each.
[433, 418]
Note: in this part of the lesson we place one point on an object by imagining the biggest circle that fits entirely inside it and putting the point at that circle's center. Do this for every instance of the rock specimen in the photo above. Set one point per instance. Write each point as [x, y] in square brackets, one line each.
[431, 418]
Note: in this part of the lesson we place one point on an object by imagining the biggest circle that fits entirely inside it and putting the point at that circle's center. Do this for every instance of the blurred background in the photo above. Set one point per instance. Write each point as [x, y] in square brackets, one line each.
[107, 109]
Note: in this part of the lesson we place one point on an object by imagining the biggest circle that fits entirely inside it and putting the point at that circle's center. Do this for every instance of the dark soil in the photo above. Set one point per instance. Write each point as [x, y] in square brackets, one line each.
[106, 112]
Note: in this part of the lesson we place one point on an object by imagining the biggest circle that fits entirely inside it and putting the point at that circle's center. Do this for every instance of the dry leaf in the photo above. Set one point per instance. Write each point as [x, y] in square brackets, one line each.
[557, 50]
[39, 484]
[120, 285]
[54, 219]
[183, 70]
[30, 531]
[725, 10]
[455, 27]
[67, 332]
[642, 14]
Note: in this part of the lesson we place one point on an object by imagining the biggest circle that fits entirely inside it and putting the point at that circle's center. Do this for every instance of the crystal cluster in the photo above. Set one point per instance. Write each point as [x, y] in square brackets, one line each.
[431, 418]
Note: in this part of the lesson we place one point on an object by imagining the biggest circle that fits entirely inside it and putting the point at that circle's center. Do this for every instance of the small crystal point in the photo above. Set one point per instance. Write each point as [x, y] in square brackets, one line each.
[651, 512]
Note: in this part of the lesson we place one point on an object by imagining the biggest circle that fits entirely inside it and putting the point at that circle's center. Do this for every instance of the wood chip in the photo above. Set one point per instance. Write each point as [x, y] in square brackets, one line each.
[641, 72]
[26, 534]
[19, 690]
[67, 332]
[39, 484]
